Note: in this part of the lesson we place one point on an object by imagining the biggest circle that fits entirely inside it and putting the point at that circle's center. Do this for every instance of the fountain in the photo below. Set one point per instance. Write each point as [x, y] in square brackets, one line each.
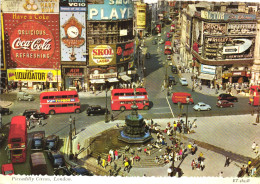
[134, 131]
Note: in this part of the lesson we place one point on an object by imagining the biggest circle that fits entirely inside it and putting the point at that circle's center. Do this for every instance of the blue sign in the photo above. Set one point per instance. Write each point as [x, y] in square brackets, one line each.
[111, 10]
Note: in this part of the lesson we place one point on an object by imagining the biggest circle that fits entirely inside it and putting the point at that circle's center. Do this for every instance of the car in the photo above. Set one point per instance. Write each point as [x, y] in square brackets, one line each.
[161, 41]
[171, 80]
[37, 115]
[4, 110]
[56, 159]
[201, 106]
[7, 169]
[224, 103]
[96, 109]
[51, 142]
[38, 141]
[228, 97]
[154, 42]
[183, 82]
[24, 96]
[80, 171]
[169, 57]
[147, 55]
[174, 69]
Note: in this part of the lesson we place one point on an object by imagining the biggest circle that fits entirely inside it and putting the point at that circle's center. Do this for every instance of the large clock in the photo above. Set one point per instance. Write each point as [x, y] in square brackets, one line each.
[72, 32]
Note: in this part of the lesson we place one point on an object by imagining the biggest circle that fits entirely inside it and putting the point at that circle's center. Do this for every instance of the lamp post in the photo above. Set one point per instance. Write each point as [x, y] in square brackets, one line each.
[258, 111]
[70, 141]
[166, 79]
[186, 127]
[106, 115]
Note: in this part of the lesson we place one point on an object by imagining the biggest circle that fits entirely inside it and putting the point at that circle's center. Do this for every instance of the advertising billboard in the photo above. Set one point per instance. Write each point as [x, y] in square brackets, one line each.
[140, 16]
[33, 40]
[111, 10]
[73, 5]
[30, 6]
[207, 69]
[73, 36]
[33, 75]
[124, 52]
[102, 55]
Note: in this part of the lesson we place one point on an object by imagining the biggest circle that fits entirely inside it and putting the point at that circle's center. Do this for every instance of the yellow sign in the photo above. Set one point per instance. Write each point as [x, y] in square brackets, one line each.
[34, 75]
[141, 16]
[102, 55]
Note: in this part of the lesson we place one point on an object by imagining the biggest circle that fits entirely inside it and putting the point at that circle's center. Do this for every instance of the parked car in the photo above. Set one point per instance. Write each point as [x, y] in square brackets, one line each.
[24, 96]
[228, 97]
[38, 141]
[147, 55]
[4, 110]
[80, 171]
[96, 110]
[37, 115]
[174, 69]
[201, 106]
[171, 80]
[154, 42]
[56, 158]
[224, 103]
[7, 169]
[51, 142]
[183, 82]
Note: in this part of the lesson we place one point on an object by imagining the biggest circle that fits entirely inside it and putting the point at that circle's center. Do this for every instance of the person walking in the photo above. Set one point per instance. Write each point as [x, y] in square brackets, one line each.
[193, 164]
[220, 174]
[78, 147]
[256, 149]
[104, 163]
[253, 146]
[227, 162]
[111, 152]
[202, 166]
[112, 117]
[126, 164]
[109, 159]
[169, 171]
[99, 160]
[116, 155]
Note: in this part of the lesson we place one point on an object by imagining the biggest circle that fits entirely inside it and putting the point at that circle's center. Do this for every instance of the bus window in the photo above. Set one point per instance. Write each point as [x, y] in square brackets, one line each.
[16, 140]
[139, 93]
[70, 105]
[64, 96]
[64, 105]
[116, 94]
[51, 97]
[75, 96]
[57, 96]
[129, 94]
[51, 105]
[121, 94]
[45, 97]
[144, 93]
[59, 105]
[129, 102]
[122, 102]
[70, 96]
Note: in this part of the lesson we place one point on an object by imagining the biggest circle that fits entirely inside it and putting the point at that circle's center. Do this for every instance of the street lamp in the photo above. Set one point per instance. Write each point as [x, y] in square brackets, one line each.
[106, 115]
[70, 141]
[166, 77]
[186, 127]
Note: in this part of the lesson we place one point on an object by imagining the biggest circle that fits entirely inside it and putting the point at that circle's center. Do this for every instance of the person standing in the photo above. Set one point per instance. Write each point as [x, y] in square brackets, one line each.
[104, 163]
[99, 160]
[116, 155]
[111, 152]
[202, 166]
[193, 164]
[256, 149]
[221, 174]
[169, 171]
[78, 147]
[109, 159]
[253, 146]
[227, 162]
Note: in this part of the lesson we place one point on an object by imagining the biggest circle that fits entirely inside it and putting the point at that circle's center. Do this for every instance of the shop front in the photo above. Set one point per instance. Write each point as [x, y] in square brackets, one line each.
[74, 78]
[37, 79]
[207, 75]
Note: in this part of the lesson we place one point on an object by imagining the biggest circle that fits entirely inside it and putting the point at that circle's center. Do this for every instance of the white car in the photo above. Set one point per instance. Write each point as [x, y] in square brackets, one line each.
[161, 41]
[183, 82]
[201, 106]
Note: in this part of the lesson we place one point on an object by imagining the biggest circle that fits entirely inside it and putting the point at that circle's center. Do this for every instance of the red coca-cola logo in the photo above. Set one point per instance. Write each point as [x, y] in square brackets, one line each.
[32, 44]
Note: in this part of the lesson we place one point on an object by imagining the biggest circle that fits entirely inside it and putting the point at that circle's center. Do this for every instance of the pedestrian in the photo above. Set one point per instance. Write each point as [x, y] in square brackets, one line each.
[253, 146]
[111, 152]
[253, 171]
[40, 122]
[249, 163]
[227, 162]
[200, 156]
[78, 147]
[169, 171]
[126, 164]
[104, 163]
[220, 174]
[99, 160]
[256, 149]
[193, 164]
[202, 166]
[109, 159]
[116, 155]
[76, 157]
[151, 121]
[112, 117]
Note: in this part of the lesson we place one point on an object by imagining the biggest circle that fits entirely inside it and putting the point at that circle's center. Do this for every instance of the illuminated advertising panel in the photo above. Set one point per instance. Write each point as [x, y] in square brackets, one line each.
[33, 75]
[141, 16]
[102, 55]
[124, 52]
[111, 10]
[33, 40]
[73, 5]
[30, 6]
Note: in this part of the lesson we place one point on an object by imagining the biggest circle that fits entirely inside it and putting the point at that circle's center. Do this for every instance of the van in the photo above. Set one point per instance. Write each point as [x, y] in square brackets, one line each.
[181, 97]
[24, 96]
[38, 164]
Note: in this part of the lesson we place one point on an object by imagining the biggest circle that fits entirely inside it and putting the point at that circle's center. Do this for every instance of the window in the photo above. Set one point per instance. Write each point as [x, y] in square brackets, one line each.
[57, 96]
[70, 96]
[116, 94]
[75, 96]
[45, 97]
[122, 102]
[16, 140]
[51, 97]
[129, 94]
[51, 105]
[64, 96]
[64, 105]
[59, 105]
[70, 105]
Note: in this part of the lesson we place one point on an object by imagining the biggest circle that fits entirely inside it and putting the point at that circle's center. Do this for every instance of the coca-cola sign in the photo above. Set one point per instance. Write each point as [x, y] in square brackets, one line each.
[32, 44]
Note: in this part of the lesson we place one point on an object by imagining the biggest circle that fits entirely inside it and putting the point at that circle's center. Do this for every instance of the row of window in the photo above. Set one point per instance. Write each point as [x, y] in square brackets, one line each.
[130, 94]
[57, 97]
[65, 105]
[132, 102]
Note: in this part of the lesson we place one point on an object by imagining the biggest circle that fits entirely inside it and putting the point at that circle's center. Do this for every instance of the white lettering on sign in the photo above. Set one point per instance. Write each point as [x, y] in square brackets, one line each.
[111, 2]
[37, 44]
[93, 12]
[113, 14]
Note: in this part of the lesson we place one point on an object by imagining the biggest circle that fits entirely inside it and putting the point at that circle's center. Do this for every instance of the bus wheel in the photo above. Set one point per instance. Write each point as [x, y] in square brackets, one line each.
[146, 107]
[122, 108]
[52, 112]
[77, 111]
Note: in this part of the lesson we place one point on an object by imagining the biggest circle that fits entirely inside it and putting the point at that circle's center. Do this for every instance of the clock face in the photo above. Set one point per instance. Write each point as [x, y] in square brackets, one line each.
[73, 32]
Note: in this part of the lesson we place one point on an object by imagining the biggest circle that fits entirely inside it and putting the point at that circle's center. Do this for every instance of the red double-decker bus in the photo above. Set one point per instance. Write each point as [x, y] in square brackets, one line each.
[254, 95]
[17, 139]
[123, 99]
[53, 102]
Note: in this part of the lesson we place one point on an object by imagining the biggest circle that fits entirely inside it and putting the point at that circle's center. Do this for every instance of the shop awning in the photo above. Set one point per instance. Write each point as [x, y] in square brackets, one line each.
[206, 76]
[125, 77]
[97, 81]
[112, 80]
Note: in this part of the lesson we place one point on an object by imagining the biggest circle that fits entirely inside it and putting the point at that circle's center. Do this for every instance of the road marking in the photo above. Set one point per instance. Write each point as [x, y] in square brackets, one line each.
[161, 108]
[169, 106]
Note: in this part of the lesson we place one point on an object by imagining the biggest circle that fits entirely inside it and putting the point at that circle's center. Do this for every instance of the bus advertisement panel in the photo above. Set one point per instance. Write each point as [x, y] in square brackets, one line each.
[17, 139]
[254, 95]
[53, 102]
[123, 99]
